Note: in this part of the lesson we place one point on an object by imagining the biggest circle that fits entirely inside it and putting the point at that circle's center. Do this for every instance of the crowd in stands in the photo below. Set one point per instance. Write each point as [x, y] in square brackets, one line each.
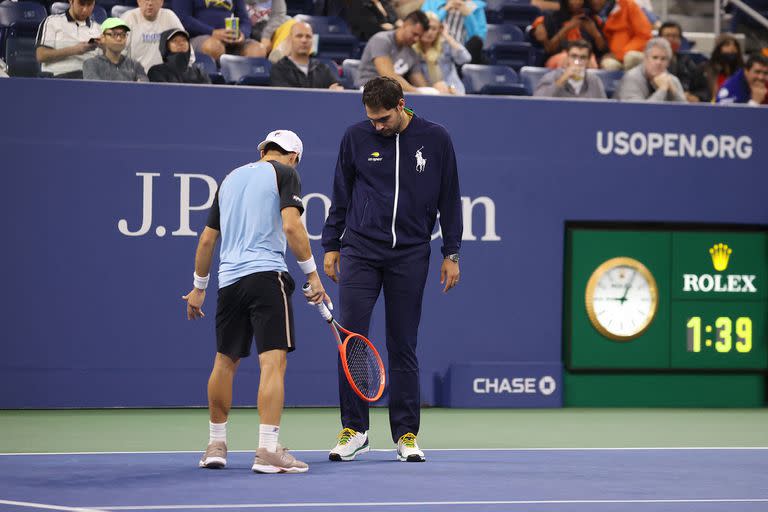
[427, 45]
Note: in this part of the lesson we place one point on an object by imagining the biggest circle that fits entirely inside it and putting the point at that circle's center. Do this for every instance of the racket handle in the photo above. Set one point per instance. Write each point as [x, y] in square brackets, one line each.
[324, 312]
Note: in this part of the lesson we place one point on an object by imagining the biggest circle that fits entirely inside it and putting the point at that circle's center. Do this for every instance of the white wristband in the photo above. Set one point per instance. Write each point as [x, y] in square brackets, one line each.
[308, 266]
[201, 283]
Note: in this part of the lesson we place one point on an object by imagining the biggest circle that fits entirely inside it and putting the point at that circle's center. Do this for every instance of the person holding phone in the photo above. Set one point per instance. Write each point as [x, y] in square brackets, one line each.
[65, 41]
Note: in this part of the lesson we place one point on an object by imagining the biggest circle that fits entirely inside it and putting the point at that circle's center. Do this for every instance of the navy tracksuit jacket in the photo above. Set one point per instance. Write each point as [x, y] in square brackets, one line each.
[387, 192]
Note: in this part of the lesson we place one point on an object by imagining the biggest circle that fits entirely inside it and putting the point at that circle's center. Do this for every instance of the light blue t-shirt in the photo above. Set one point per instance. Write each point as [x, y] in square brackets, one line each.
[247, 212]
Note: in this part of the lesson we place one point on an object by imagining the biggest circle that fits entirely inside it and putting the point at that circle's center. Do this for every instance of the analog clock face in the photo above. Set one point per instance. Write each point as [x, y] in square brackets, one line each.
[621, 298]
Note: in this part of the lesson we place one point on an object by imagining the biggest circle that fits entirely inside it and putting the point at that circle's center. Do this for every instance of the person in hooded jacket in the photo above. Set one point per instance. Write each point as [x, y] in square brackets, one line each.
[175, 50]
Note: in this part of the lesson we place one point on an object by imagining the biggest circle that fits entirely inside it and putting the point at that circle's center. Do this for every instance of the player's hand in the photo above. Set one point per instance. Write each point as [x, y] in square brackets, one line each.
[316, 293]
[331, 265]
[195, 300]
[449, 274]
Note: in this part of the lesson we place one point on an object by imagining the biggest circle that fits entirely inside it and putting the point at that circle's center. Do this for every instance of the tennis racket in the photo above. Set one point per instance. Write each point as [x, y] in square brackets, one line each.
[359, 358]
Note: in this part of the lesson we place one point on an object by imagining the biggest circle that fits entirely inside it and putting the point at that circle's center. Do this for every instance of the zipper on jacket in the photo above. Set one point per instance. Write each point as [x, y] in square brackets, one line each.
[397, 187]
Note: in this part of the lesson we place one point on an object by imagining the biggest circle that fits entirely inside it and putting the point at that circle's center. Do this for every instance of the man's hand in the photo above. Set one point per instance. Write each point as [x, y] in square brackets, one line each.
[224, 35]
[758, 91]
[317, 293]
[336, 87]
[84, 47]
[195, 300]
[449, 274]
[331, 265]
[662, 81]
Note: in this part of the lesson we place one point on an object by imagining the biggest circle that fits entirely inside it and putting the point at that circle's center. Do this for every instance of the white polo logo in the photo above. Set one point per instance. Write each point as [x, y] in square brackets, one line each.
[421, 162]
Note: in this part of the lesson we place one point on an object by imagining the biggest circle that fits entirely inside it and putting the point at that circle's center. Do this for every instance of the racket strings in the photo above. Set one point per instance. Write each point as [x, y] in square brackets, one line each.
[363, 366]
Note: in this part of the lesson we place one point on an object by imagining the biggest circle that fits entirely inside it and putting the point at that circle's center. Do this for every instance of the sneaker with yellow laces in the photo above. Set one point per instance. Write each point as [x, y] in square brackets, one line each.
[350, 444]
[408, 449]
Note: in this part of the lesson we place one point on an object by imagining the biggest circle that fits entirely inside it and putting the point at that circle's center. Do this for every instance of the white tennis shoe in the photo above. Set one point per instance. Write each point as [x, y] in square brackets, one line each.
[215, 456]
[350, 444]
[408, 449]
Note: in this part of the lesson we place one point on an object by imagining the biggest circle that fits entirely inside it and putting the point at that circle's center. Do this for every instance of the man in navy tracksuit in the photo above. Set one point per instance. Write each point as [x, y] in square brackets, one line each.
[394, 173]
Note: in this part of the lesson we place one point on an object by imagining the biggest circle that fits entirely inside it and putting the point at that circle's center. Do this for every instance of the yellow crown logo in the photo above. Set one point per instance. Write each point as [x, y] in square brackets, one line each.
[375, 154]
[720, 254]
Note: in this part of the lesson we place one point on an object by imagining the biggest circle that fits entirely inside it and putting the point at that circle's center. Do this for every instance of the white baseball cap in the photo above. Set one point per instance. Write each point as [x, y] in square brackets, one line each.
[287, 140]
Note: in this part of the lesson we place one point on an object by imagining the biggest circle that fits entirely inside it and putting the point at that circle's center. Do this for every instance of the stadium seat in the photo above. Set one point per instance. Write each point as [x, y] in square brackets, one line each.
[480, 79]
[504, 33]
[494, 9]
[334, 38]
[18, 29]
[335, 69]
[245, 70]
[118, 10]
[350, 72]
[610, 79]
[208, 65]
[530, 76]
[519, 13]
[99, 13]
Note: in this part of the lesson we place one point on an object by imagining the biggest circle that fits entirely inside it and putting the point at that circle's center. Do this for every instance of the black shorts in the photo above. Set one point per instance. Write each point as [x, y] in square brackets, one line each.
[256, 306]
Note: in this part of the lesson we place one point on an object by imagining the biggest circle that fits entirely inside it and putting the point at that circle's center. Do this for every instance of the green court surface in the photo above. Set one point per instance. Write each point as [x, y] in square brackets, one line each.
[107, 430]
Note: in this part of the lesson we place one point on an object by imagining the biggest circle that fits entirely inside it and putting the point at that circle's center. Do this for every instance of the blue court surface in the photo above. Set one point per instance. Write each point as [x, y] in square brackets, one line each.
[570, 480]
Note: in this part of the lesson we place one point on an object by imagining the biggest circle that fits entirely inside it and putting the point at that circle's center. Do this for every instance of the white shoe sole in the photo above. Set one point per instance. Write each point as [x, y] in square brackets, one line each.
[213, 463]
[411, 458]
[337, 457]
[269, 469]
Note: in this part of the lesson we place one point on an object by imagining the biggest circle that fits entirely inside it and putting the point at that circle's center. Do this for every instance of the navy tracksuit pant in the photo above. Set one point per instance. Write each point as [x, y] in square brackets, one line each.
[367, 267]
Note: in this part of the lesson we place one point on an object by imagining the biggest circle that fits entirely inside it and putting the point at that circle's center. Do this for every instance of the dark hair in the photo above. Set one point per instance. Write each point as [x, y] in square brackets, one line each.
[382, 92]
[273, 146]
[418, 17]
[756, 59]
[578, 43]
[718, 63]
[670, 24]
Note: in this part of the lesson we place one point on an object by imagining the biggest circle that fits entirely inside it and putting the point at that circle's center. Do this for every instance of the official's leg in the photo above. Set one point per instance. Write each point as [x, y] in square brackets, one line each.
[404, 281]
[359, 287]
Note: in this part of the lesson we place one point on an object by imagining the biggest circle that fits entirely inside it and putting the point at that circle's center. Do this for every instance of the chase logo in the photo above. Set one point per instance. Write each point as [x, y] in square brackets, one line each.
[375, 157]
[516, 385]
[720, 253]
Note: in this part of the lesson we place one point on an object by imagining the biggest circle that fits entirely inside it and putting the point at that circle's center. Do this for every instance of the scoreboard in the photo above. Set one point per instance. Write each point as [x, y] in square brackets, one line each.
[688, 300]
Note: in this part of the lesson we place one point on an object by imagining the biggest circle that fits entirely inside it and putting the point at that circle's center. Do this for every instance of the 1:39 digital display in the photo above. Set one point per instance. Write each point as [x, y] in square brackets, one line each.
[729, 334]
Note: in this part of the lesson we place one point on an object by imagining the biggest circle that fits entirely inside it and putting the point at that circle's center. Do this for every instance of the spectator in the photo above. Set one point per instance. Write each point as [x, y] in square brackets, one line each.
[651, 81]
[204, 20]
[147, 22]
[3, 69]
[572, 80]
[627, 31]
[571, 22]
[690, 75]
[175, 51]
[266, 16]
[440, 54]
[367, 17]
[389, 53]
[725, 61]
[747, 85]
[465, 22]
[65, 41]
[112, 64]
[298, 69]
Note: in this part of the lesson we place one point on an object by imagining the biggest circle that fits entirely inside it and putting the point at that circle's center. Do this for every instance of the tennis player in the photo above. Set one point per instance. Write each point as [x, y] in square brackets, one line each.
[395, 172]
[256, 210]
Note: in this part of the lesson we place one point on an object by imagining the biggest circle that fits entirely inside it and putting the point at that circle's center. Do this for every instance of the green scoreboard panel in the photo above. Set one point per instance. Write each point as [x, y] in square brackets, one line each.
[666, 299]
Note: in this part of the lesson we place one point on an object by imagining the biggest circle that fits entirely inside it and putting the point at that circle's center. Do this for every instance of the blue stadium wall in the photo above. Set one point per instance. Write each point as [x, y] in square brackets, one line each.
[105, 183]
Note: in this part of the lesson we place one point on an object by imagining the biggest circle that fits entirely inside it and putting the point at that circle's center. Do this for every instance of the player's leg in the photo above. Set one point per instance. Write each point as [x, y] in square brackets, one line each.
[271, 314]
[404, 280]
[359, 287]
[233, 339]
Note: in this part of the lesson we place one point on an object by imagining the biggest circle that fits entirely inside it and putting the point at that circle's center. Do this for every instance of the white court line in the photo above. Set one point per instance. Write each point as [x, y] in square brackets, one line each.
[431, 503]
[46, 506]
[541, 449]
